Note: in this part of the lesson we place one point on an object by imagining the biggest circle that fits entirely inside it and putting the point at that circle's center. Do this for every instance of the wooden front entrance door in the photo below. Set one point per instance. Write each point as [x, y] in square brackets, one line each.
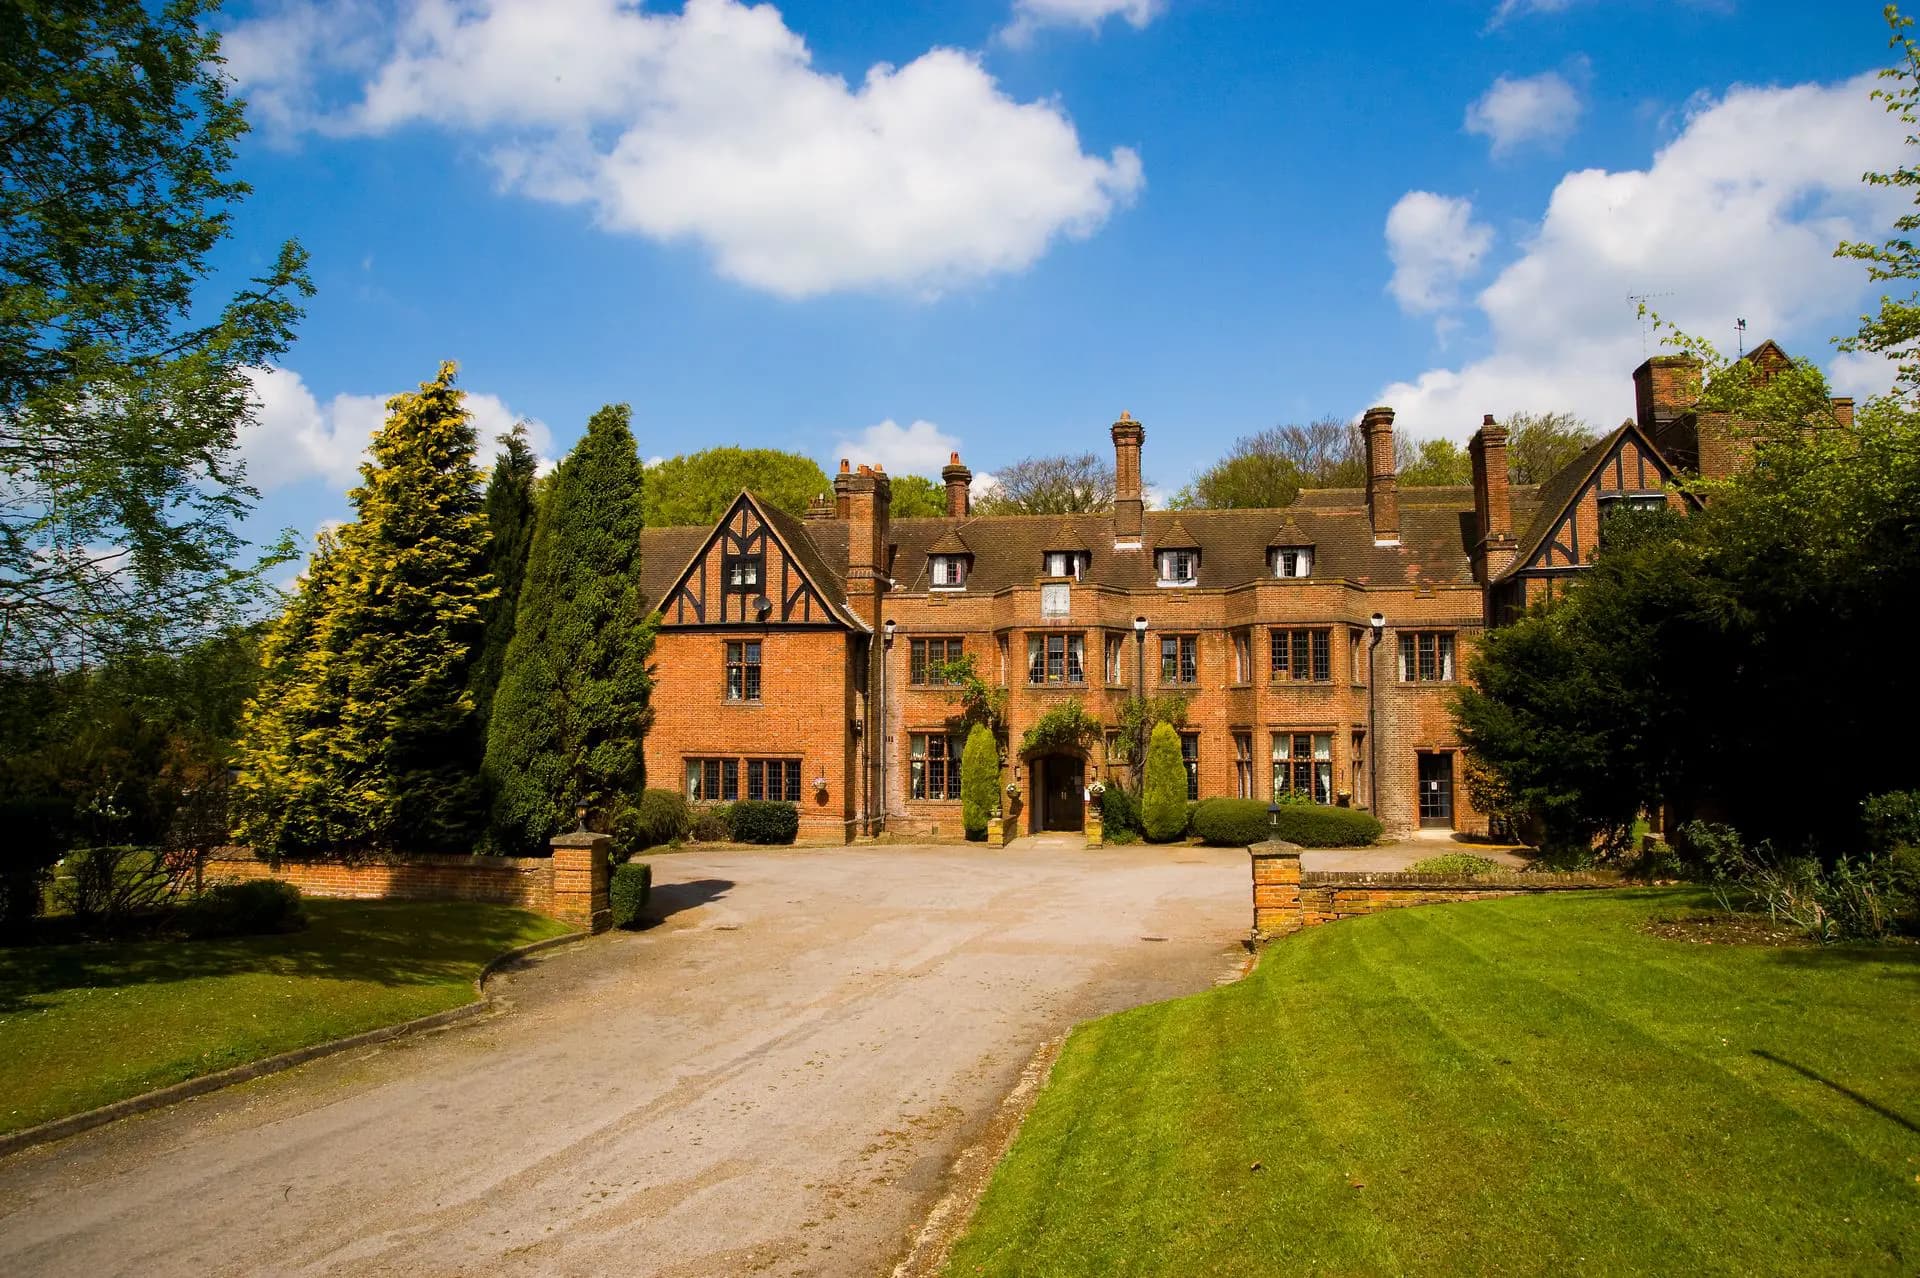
[1064, 780]
[1436, 791]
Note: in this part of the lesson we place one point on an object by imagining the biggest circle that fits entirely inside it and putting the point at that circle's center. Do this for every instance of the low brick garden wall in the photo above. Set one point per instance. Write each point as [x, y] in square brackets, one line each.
[1287, 898]
[570, 885]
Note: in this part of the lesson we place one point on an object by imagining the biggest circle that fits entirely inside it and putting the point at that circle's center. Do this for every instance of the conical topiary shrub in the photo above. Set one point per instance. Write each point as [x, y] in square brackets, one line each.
[1163, 804]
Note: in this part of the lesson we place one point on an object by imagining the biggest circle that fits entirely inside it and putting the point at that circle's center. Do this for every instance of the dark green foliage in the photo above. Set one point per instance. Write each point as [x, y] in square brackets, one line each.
[1434, 463]
[1892, 820]
[698, 487]
[1465, 863]
[629, 892]
[1230, 823]
[510, 514]
[712, 823]
[1270, 468]
[1163, 803]
[1119, 812]
[1845, 899]
[764, 821]
[660, 818]
[131, 752]
[122, 383]
[1066, 726]
[917, 497]
[980, 701]
[112, 883]
[1313, 826]
[979, 781]
[260, 907]
[573, 706]
[1137, 717]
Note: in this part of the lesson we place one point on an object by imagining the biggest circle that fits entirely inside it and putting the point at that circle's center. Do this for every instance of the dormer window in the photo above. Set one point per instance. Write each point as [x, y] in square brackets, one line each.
[1293, 561]
[1064, 563]
[1178, 567]
[949, 572]
[744, 572]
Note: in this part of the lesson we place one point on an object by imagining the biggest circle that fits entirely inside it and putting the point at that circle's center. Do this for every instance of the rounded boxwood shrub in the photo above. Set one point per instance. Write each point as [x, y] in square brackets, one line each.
[1119, 813]
[764, 821]
[660, 817]
[1314, 826]
[1163, 806]
[628, 893]
[713, 823]
[256, 908]
[1230, 823]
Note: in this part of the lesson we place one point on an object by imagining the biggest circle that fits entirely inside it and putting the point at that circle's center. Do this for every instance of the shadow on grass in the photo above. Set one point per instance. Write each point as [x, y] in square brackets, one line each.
[1841, 1088]
[1899, 960]
[670, 899]
[394, 943]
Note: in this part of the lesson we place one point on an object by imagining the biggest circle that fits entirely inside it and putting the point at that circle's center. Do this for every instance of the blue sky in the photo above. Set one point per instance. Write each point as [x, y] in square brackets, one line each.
[886, 231]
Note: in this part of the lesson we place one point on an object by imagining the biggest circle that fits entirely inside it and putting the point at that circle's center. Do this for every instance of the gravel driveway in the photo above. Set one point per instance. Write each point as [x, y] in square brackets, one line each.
[775, 1079]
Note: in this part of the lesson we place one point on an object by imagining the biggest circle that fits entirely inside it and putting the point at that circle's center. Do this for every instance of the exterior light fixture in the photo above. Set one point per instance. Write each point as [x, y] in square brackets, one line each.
[889, 628]
[1273, 819]
[1140, 625]
[580, 815]
[1379, 624]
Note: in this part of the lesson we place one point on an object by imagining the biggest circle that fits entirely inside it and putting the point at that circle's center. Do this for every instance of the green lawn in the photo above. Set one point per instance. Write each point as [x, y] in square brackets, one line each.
[1529, 1085]
[85, 1025]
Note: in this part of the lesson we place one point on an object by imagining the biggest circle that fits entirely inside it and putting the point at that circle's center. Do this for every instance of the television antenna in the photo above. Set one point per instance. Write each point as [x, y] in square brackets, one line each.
[1640, 301]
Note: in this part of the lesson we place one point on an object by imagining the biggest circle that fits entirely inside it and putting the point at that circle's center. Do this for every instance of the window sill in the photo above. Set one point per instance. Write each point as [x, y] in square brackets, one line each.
[1057, 683]
[947, 590]
[743, 704]
[1178, 585]
[1299, 683]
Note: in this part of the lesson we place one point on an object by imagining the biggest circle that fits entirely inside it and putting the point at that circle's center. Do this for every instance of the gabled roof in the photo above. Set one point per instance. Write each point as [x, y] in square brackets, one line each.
[1067, 537]
[951, 544]
[1558, 495]
[689, 546]
[1174, 536]
[1289, 534]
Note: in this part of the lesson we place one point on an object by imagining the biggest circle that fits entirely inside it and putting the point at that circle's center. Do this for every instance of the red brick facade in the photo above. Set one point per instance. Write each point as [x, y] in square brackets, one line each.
[829, 610]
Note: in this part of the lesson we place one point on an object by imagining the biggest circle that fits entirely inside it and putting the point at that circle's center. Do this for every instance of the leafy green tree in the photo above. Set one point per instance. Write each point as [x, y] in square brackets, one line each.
[1268, 469]
[1056, 485]
[1433, 463]
[697, 488]
[979, 781]
[1895, 331]
[573, 708]
[371, 748]
[1541, 445]
[917, 497]
[510, 519]
[122, 385]
[1163, 805]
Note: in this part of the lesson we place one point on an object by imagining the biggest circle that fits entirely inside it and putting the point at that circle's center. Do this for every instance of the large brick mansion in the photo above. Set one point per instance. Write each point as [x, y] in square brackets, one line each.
[1316, 644]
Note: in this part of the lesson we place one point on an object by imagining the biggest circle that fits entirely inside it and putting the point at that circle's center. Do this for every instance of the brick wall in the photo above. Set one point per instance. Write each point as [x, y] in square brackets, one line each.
[1286, 898]
[807, 701]
[523, 881]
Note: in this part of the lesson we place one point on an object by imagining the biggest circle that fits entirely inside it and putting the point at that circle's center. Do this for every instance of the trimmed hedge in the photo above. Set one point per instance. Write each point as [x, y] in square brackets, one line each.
[764, 821]
[256, 908]
[713, 823]
[1119, 812]
[632, 887]
[1314, 826]
[1230, 823]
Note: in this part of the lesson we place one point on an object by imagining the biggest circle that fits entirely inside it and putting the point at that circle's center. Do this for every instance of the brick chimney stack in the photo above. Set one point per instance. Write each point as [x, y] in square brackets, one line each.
[1664, 391]
[959, 481]
[1383, 481]
[867, 496]
[840, 483]
[1492, 504]
[1128, 507]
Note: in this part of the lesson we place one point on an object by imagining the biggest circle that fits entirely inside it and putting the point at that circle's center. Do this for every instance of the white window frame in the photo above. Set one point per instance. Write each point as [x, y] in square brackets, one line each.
[948, 572]
[1062, 563]
[1167, 560]
[1302, 561]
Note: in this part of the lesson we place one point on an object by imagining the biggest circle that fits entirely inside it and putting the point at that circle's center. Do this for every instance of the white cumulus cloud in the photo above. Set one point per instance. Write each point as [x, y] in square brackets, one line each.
[1540, 108]
[921, 448]
[710, 126]
[1737, 217]
[1031, 15]
[1434, 245]
[294, 437]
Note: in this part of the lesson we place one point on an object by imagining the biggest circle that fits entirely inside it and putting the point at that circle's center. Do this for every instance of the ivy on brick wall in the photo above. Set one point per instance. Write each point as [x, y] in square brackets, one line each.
[1067, 726]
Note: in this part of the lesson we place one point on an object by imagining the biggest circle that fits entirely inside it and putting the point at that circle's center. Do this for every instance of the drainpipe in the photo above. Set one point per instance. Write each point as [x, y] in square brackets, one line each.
[1379, 625]
[1140, 693]
[886, 653]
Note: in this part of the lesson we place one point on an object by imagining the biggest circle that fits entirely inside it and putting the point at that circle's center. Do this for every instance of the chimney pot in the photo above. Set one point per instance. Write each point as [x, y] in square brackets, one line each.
[959, 482]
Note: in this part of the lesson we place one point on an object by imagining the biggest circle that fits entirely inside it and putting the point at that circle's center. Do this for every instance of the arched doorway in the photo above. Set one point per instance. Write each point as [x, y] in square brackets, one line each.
[1058, 792]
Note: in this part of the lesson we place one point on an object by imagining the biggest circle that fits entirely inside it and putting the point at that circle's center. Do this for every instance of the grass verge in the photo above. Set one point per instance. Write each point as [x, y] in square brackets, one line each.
[1523, 1086]
[85, 1025]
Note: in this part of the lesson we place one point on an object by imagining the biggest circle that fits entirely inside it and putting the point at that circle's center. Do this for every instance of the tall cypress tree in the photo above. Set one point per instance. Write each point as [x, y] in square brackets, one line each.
[379, 748]
[573, 708]
[510, 518]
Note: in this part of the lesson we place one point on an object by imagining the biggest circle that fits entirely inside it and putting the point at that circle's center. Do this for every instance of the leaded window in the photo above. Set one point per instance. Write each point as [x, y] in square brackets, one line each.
[1299, 655]
[926, 656]
[1179, 658]
[934, 766]
[1056, 658]
[1426, 656]
[1303, 764]
[743, 670]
